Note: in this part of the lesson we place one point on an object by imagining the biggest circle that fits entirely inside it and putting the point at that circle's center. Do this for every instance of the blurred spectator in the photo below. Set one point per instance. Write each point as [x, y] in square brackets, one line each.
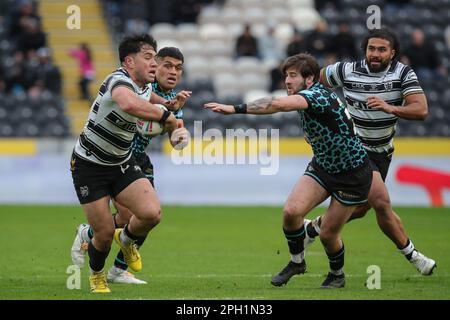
[2, 81]
[48, 75]
[136, 26]
[19, 17]
[277, 78]
[447, 36]
[297, 44]
[343, 44]
[422, 56]
[318, 42]
[325, 4]
[186, 11]
[86, 67]
[270, 47]
[32, 37]
[135, 9]
[247, 44]
[14, 74]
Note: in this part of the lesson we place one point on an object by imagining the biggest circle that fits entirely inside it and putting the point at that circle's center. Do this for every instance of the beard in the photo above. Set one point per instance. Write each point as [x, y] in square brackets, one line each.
[302, 86]
[383, 65]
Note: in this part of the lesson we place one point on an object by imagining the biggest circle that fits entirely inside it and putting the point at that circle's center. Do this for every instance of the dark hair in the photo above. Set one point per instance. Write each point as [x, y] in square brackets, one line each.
[382, 33]
[134, 44]
[305, 63]
[170, 52]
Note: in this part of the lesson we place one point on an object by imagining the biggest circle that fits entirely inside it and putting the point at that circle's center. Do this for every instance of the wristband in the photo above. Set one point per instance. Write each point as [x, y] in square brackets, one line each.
[164, 117]
[240, 108]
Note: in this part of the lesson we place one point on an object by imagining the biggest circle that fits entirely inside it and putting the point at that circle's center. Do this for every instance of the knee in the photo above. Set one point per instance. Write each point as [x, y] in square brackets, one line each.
[152, 215]
[104, 236]
[382, 206]
[290, 213]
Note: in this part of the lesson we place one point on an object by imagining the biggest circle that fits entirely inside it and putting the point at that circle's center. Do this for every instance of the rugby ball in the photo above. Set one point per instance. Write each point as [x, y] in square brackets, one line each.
[150, 128]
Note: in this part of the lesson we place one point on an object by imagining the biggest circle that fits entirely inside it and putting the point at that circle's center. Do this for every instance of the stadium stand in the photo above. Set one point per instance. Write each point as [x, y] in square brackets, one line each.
[206, 31]
[31, 104]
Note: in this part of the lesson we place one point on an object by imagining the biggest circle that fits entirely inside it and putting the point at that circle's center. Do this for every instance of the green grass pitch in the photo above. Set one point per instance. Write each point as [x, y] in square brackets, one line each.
[221, 253]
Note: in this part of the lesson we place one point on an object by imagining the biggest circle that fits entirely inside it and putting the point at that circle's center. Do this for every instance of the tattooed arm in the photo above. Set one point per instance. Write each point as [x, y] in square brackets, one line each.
[266, 105]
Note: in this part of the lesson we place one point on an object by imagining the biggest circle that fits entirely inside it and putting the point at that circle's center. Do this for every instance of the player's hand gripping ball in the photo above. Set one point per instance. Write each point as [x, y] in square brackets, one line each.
[150, 128]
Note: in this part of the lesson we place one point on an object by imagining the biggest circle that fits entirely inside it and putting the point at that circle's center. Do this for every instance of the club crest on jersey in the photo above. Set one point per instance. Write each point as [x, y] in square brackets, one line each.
[388, 86]
[84, 191]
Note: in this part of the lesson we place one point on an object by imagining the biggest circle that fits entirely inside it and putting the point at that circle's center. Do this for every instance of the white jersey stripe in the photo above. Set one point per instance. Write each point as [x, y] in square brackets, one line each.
[375, 128]
[107, 136]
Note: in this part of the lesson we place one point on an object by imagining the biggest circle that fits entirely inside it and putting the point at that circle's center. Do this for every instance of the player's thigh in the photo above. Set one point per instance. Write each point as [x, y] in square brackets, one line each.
[306, 194]
[140, 198]
[98, 215]
[124, 214]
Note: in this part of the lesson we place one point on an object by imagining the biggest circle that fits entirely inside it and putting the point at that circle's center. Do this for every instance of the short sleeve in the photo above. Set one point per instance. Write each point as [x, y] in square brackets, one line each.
[335, 74]
[120, 81]
[409, 82]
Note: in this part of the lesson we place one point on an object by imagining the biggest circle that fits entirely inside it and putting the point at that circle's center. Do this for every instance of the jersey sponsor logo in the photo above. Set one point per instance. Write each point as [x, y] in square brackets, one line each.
[347, 195]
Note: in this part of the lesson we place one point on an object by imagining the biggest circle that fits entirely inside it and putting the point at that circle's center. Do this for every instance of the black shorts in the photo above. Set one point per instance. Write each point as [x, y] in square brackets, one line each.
[380, 162]
[93, 181]
[146, 165]
[349, 188]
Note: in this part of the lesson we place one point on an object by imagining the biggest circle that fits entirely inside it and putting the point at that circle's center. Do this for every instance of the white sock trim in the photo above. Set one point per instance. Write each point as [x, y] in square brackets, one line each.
[297, 258]
[84, 234]
[126, 240]
[337, 272]
[316, 225]
[408, 249]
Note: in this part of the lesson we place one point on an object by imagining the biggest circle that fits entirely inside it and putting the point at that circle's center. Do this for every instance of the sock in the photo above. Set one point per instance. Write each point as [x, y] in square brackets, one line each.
[311, 231]
[87, 234]
[408, 249]
[119, 262]
[295, 242]
[96, 258]
[126, 237]
[336, 261]
[318, 221]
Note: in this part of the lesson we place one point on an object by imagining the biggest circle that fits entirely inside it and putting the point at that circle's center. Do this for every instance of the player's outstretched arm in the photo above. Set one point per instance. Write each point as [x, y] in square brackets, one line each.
[130, 103]
[266, 105]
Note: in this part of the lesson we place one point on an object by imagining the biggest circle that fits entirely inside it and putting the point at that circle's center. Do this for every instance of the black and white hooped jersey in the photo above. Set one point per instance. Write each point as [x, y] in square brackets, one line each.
[108, 134]
[376, 129]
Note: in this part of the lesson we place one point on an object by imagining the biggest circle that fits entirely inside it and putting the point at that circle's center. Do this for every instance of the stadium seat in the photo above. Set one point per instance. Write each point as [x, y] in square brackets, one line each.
[221, 64]
[255, 94]
[213, 31]
[209, 14]
[163, 31]
[254, 15]
[232, 16]
[305, 18]
[192, 49]
[284, 32]
[187, 32]
[248, 65]
[217, 48]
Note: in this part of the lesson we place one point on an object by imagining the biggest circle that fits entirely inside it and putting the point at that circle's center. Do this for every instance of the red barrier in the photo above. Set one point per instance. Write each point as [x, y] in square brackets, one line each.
[433, 181]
